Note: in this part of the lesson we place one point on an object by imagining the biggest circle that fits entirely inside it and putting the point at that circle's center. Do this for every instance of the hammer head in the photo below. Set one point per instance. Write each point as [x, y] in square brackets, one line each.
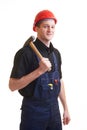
[30, 39]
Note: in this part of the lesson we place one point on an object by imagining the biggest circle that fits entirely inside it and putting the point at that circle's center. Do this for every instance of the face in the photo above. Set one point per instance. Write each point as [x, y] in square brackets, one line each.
[45, 31]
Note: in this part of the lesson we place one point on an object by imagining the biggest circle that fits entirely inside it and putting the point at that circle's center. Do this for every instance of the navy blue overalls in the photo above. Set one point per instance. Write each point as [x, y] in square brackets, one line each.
[41, 111]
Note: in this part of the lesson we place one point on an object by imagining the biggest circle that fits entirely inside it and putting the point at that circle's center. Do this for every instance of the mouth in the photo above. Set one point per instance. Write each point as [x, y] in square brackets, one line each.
[49, 34]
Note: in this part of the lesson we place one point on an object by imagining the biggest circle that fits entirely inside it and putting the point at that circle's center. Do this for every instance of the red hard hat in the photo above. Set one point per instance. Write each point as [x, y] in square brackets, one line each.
[44, 14]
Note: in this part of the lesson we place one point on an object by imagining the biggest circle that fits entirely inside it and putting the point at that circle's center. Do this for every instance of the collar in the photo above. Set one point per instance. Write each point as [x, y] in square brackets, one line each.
[40, 45]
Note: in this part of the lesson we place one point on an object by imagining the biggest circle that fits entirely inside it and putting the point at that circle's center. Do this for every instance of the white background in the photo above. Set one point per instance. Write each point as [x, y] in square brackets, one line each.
[16, 20]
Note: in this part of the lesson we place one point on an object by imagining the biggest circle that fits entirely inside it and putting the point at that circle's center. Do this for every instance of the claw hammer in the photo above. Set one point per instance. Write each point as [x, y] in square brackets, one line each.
[31, 44]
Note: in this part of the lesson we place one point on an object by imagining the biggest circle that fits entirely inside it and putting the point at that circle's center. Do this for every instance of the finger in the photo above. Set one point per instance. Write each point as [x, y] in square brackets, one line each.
[49, 69]
[66, 121]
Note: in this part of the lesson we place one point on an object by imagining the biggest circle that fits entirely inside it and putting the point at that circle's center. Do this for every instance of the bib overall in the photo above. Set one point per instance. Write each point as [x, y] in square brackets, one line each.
[41, 111]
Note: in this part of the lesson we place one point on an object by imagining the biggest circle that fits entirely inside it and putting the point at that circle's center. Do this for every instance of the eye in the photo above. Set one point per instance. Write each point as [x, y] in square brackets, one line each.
[46, 26]
[53, 27]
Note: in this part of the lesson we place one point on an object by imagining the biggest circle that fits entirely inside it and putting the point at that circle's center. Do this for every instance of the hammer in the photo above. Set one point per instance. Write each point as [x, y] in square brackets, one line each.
[31, 44]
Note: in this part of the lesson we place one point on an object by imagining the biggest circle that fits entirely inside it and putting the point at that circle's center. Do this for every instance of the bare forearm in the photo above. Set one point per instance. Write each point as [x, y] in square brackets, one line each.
[16, 84]
[62, 96]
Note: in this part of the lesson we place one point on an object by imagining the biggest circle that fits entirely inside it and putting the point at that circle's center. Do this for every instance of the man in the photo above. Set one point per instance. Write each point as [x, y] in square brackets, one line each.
[40, 81]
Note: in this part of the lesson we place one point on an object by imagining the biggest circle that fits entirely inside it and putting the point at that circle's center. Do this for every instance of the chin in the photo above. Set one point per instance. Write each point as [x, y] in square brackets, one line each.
[49, 38]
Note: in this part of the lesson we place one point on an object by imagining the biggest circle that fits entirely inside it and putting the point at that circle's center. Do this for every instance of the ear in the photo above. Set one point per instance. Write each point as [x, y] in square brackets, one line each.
[36, 28]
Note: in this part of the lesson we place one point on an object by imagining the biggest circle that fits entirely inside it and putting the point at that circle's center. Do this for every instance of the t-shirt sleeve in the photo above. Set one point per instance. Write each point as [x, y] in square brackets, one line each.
[59, 62]
[19, 65]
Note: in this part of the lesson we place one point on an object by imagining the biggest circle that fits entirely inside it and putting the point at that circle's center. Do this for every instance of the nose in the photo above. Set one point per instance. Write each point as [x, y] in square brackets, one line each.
[49, 28]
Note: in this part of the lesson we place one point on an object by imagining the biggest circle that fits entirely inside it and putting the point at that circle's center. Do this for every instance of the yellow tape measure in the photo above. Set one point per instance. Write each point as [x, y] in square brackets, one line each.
[50, 85]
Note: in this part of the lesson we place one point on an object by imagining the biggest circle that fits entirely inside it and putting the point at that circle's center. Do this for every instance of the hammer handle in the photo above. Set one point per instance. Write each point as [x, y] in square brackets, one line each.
[35, 50]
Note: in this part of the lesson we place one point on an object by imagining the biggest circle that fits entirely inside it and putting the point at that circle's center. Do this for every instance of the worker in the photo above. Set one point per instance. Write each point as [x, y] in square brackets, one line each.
[40, 81]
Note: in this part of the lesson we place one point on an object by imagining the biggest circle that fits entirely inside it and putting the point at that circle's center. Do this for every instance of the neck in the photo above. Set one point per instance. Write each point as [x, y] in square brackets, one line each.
[46, 42]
